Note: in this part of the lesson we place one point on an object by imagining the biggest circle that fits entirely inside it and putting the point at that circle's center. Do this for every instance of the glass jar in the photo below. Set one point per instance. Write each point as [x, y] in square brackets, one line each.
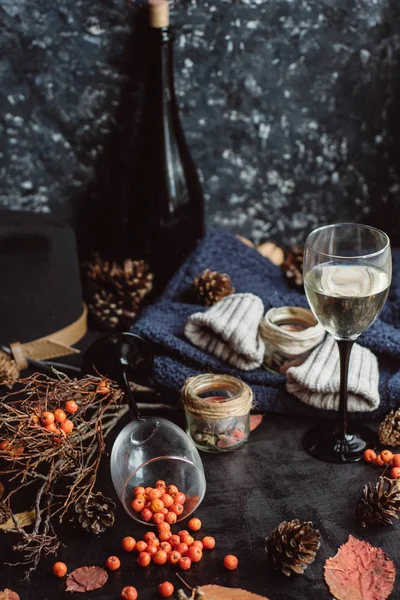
[217, 409]
[289, 333]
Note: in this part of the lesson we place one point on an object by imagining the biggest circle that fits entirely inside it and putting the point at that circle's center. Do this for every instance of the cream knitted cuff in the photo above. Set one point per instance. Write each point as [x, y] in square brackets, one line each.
[316, 381]
[230, 330]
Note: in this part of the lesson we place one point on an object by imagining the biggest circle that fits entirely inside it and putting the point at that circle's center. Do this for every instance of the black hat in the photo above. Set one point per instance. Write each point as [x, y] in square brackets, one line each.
[41, 308]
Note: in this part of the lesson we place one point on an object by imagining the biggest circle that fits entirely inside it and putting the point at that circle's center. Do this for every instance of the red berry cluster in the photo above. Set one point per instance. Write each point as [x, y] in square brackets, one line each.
[158, 504]
[386, 459]
[56, 422]
[177, 549]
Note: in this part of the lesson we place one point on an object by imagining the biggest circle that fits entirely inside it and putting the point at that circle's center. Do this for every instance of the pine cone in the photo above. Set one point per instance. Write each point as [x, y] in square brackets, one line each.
[389, 429]
[8, 368]
[379, 504]
[96, 512]
[106, 310]
[292, 546]
[5, 513]
[119, 288]
[293, 265]
[211, 287]
[197, 594]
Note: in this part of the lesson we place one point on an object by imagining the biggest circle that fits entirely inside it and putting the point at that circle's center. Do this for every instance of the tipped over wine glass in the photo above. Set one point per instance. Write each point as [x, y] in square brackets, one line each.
[347, 273]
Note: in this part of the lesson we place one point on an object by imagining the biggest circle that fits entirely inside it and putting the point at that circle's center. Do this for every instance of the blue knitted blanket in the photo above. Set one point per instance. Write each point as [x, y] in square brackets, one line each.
[176, 358]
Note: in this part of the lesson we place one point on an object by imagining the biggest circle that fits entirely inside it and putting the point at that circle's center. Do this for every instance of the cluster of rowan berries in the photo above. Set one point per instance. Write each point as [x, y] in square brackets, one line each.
[55, 422]
[158, 504]
[387, 459]
[179, 549]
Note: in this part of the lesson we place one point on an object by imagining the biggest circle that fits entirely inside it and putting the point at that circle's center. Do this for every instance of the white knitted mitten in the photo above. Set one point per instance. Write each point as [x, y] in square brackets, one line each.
[316, 382]
[230, 330]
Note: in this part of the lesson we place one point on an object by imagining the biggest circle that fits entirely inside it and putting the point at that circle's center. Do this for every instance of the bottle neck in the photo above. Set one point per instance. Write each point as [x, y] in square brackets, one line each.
[160, 68]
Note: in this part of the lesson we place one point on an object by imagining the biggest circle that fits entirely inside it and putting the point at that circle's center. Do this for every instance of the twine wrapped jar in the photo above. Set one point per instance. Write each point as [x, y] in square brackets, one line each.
[217, 410]
[289, 333]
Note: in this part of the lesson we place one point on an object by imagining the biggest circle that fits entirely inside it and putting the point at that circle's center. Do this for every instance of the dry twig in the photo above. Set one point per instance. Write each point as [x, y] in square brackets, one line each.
[31, 454]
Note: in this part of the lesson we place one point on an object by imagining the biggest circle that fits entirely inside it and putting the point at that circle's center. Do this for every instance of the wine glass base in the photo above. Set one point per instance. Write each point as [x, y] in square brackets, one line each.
[325, 443]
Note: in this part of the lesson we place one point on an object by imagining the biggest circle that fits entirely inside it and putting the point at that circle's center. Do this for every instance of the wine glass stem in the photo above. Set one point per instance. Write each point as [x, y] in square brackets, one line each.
[345, 347]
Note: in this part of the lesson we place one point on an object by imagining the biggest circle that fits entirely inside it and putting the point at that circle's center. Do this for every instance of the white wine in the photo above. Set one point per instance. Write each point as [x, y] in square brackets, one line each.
[346, 299]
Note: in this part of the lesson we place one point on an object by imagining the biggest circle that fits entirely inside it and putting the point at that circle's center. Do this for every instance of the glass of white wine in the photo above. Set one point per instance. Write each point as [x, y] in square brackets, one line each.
[347, 273]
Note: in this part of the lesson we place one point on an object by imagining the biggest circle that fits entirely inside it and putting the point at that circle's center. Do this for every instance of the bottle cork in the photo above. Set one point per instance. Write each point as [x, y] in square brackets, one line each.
[159, 13]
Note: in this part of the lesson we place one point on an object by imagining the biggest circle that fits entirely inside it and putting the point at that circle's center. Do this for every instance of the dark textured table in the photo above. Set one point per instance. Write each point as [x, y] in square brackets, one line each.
[249, 492]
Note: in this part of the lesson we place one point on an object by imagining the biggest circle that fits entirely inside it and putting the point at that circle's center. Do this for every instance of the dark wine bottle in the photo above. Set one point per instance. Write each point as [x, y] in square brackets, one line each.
[163, 206]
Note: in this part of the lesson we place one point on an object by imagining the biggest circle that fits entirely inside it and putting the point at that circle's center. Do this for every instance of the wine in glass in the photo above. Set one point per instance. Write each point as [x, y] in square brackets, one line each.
[347, 272]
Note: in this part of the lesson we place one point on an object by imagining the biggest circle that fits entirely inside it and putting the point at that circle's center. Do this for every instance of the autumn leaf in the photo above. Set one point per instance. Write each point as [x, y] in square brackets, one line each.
[359, 571]
[8, 595]
[216, 592]
[24, 519]
[1, 490]
[255, 421]
[85, 579]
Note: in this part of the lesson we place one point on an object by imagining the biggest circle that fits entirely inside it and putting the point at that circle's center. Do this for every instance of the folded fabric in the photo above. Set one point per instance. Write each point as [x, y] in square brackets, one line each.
[230, 330]
[176, 358]
[317, 380]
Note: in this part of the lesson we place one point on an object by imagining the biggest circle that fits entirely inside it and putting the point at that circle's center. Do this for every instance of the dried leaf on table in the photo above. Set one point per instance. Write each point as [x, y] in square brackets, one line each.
[217, 592]
[24, 519]
[8, 595]
[360, 571]
[86, 579]
[1, 490]
[255, 421]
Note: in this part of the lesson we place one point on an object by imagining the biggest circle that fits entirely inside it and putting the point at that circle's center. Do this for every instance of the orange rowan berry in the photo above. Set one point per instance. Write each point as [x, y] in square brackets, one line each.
[185, 563]
[231, 562]
[160, 557]
[128, 544]
[177, 509]
[141, 546]
[194, 524]
[71, 406]
[386, 456]
[67, 426]
[166, 589]
[47, 418]
[138, 505]
[51, 427]
[59, 569]
[113, 563]
[144, 559]
[59, 415]
[396, 460]
[369, 455]
[394, 472]
[164, 536]
[129, 593]
[168, 500]
[146, 514]
[208, 542]
[158, 518]
[174, 557]
[195, 553]
[171, 518]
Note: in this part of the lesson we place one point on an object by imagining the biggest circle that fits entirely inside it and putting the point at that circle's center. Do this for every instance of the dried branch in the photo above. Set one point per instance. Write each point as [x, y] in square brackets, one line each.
[31, 454]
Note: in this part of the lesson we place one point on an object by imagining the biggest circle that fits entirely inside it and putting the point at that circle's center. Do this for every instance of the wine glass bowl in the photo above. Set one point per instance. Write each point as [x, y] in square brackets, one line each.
[347, 273]
[146, 451]
[148, 448]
